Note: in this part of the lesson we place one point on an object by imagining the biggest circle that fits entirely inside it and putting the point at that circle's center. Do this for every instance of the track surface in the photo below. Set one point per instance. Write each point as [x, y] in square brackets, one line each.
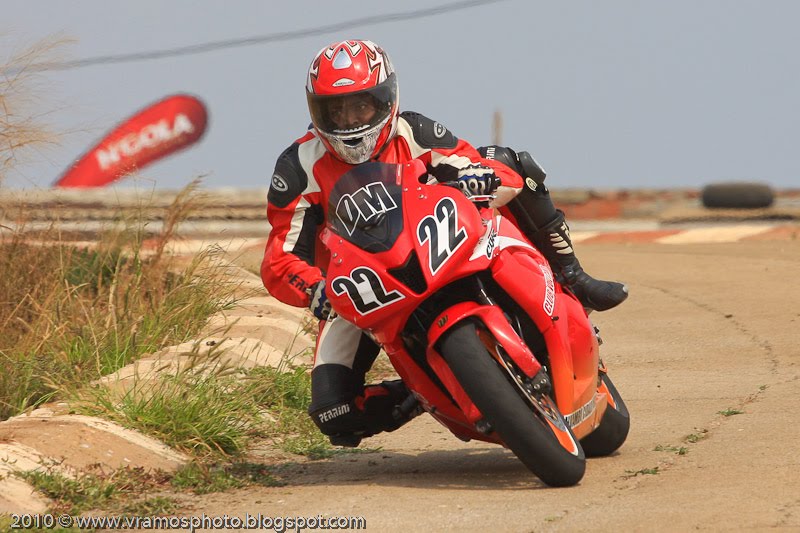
[708, 328]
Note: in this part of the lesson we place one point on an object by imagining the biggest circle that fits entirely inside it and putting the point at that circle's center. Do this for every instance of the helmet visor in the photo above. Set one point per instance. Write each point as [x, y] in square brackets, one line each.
[353, 114]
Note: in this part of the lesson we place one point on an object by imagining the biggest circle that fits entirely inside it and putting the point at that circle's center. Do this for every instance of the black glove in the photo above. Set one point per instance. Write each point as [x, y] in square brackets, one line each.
[318, 300]
[477, 180]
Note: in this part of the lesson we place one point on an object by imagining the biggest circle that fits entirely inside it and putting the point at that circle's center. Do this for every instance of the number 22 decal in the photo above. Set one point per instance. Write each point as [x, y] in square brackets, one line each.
[442, 232]
[365, 289]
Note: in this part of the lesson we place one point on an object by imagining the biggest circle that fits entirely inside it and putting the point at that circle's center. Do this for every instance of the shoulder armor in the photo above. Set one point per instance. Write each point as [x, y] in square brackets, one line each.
[289, 179]
[429, 133]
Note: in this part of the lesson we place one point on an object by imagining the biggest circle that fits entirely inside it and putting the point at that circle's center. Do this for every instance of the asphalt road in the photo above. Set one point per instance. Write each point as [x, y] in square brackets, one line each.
[708, 331]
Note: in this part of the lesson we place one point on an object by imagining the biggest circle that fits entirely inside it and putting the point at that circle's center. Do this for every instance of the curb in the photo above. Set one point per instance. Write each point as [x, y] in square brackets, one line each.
[259, 331]
[720, 233]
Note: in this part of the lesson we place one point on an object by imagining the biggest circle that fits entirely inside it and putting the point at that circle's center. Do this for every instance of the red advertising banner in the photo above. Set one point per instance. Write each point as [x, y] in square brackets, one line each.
[157, 131]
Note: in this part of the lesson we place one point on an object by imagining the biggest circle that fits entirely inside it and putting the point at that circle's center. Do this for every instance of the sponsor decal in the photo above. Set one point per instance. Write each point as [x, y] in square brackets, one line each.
[442, 233]
[366, 203]
[296, 281]
[530, 183]
[549, 302]
[573, 419]
[157, 131]
[279, 184]
[343, 82]
[442, 321]
[149, 136]
[334, 412]
[365, 289]
[491, 242]
[490, 152]
[438, 130]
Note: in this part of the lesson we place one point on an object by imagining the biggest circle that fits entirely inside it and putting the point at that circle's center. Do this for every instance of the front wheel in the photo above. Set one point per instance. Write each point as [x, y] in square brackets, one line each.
[539, 437]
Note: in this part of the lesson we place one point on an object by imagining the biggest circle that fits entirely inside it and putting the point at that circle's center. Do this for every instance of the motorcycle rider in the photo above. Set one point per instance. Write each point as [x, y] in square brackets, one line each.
[352, 95]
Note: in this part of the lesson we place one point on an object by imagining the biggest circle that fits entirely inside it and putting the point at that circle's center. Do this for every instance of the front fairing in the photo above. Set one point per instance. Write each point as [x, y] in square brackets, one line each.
[394, 241]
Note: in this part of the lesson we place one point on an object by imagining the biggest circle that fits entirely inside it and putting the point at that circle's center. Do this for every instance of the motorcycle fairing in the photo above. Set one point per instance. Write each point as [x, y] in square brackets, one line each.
[373, 220]
[368, 230]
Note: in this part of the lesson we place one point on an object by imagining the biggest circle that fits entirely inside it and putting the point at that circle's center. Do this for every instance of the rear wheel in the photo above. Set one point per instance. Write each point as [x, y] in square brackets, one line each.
[531, 427]
[613, 428]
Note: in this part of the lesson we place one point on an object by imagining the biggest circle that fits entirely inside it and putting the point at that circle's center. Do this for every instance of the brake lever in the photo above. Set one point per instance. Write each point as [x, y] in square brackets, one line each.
[479, 198]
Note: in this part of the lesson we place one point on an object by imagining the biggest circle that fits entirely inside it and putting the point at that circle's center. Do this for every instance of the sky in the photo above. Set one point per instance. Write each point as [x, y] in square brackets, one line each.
[618, 94]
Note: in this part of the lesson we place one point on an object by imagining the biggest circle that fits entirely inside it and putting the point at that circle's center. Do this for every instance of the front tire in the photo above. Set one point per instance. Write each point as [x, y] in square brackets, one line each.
[501, 402]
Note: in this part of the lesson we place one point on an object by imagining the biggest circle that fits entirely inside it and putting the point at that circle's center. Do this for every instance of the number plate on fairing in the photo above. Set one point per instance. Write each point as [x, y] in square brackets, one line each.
[365, 289]
[442, 233]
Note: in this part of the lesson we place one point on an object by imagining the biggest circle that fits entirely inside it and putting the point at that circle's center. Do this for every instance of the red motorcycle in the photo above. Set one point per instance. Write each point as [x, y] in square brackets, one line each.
[472, 319]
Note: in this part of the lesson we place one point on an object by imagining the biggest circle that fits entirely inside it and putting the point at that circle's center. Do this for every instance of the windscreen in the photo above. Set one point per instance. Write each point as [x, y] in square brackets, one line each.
[365, 206]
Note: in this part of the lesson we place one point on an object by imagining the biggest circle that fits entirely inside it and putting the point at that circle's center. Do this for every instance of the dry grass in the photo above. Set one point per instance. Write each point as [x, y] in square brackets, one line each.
[70, 315]
[23, 126]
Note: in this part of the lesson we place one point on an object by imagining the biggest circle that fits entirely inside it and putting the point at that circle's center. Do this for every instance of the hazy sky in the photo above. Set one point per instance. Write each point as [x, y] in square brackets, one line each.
[604, 94]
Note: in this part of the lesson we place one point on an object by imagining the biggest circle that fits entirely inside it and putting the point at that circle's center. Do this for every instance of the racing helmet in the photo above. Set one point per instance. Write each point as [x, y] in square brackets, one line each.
[353, 99]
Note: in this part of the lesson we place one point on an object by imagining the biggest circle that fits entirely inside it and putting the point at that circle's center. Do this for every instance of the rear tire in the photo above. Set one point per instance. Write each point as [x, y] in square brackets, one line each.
[613, 428]
[501, 403]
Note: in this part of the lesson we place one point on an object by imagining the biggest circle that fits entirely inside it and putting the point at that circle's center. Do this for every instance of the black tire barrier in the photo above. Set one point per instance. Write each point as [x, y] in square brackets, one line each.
[740, 195]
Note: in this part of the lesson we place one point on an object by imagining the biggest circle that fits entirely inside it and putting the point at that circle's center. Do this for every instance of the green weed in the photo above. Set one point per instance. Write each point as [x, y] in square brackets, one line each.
[643, 472]
[155, 506]
[91, 489]
[201, 413]
[682, 450]
[204, 478]
[72, 495]
[285, 393]
[94, 489]
[730, 412]
[696, 437]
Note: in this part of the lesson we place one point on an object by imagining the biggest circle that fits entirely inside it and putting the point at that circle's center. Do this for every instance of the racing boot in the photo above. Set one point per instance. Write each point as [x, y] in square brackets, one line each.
[554, 242]
[537, 217]
[387, 405]
[345, 417]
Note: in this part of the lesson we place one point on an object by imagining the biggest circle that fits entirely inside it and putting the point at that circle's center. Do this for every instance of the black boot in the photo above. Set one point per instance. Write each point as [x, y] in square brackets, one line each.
[554, 242]
[347, 411]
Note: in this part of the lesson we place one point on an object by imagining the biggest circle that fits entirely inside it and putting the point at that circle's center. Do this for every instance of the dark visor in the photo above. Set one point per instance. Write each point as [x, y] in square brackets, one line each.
[326, 110]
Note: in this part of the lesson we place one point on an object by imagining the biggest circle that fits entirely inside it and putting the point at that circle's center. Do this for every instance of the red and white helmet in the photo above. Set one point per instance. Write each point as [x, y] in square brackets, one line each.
[346, 82]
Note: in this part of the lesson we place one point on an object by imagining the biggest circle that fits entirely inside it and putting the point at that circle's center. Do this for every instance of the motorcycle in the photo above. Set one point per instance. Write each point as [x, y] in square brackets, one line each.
[472, 319]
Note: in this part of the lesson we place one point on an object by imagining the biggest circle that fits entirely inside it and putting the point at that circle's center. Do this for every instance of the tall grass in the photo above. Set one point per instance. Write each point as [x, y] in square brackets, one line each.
[24, 128]
[285, 393]
[205, 409]
[70, 315]
[211, 410]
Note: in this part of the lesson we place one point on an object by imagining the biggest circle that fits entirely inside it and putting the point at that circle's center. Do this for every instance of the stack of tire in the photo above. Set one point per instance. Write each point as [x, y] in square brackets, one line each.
[738, 195]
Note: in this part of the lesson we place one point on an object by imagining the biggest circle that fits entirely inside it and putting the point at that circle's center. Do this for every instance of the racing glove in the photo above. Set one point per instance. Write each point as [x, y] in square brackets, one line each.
[477, 180]
[318, 300]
